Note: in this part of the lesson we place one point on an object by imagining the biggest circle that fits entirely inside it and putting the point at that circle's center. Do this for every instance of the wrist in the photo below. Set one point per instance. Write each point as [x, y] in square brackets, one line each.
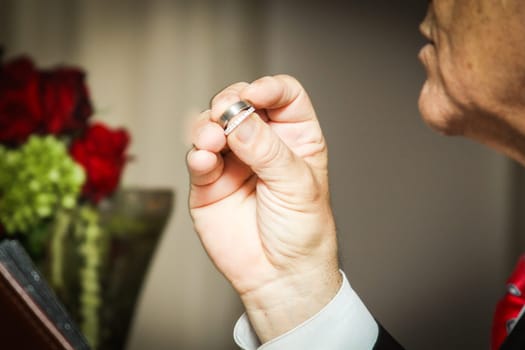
[288, 301]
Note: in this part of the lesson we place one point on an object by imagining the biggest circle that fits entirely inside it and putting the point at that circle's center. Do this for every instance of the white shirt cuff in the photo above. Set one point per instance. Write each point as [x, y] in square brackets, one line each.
[344, 323]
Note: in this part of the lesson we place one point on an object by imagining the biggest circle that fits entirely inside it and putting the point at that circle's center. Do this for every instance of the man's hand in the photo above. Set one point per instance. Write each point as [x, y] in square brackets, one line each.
[260, 203]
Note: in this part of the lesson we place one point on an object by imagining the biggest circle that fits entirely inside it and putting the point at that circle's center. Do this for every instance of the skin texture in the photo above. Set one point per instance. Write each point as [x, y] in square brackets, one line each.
[259, 198]
[476, 71]
[260, 204]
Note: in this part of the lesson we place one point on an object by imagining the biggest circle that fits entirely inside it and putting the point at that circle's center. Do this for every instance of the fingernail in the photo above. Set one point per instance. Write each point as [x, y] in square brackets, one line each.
[246, 129]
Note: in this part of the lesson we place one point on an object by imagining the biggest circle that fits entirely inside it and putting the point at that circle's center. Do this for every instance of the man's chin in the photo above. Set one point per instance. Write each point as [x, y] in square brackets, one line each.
[438, 111]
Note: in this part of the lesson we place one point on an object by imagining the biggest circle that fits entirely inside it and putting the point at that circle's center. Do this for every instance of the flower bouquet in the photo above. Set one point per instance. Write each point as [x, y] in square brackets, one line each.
[59, 173]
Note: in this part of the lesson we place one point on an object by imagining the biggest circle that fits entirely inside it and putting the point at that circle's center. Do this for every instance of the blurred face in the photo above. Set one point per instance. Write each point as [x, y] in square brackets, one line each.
[475, 64]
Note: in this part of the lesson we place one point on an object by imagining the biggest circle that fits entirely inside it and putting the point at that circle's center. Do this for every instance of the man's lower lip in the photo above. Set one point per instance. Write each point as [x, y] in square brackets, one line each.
[425, 51]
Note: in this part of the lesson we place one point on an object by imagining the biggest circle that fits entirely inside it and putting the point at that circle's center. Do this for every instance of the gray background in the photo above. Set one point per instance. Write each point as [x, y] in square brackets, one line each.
[429, 226]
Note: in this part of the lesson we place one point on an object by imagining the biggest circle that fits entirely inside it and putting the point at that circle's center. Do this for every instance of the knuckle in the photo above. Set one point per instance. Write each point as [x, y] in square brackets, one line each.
[263, 80]
[289, 80]
[231, 90]
[291, 87]
[224, 98]
[286, 77]
[189, 154]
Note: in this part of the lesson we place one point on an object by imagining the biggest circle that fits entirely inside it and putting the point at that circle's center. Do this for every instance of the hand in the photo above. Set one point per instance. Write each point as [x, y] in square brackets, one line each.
[259, 201]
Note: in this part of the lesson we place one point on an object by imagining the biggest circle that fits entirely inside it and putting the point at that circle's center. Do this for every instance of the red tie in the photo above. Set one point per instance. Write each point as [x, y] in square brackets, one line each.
[510, 307]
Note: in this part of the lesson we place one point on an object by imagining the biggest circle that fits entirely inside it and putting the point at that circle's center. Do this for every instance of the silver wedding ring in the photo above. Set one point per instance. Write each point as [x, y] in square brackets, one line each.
[238, 120]
[231, 112]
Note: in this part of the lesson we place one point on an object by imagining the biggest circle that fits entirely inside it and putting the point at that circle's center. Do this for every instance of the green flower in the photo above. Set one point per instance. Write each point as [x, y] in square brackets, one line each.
[36, 180]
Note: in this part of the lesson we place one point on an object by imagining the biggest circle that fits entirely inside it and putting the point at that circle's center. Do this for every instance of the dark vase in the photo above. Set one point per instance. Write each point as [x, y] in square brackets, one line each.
[132, 222]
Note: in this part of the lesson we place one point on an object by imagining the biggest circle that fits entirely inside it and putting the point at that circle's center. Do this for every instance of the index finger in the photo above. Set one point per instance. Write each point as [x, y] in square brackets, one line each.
[277, 94]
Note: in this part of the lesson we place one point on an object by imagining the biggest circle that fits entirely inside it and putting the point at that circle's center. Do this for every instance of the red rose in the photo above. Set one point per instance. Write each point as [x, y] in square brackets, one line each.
[65, 100]
[20, 110]
[102, 154]
[51, 101]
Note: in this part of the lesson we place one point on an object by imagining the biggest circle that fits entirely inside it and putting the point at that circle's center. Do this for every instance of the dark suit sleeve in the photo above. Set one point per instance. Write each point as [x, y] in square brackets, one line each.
[385, 341]
[516, 338]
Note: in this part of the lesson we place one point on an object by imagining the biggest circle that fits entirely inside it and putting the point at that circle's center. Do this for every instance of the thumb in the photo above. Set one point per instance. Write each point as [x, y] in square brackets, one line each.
[257, 145]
